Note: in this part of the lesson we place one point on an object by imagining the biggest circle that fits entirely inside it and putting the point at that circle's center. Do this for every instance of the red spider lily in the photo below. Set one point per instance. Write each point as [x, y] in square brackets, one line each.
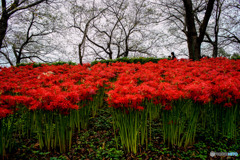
[166, 81]
[5, 112]
[140, 108]
[228, 104]
[208, 80]
[167, 108]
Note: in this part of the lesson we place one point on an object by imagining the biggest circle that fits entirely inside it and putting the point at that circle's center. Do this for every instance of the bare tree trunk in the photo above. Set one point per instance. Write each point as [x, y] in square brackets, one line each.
[215, 50]
[80, 54]
[127, 48]
[126, 53]
[7, 12]
[191, 32]
[216, 29]
[195, 41]
[110, 56]
[3, 27]
[192, 41]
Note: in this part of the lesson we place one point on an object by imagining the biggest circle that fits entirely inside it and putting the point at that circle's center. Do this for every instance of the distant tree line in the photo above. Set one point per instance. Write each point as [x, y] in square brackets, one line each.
[58, 30]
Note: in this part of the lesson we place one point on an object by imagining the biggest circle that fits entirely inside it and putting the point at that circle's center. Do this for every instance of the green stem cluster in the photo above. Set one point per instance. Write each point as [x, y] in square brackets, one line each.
[133, 125]
[54, 130]
[130, 122]
[6, 137]
[221, 121]
[98, 101]
[179, 124]
[9, 132]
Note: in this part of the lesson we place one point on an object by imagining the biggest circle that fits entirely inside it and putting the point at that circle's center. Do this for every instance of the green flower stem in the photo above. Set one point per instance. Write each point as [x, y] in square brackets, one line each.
[130, 123]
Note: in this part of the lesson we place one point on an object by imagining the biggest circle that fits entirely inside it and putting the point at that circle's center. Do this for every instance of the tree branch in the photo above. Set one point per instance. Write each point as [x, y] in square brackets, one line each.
[207, 16]
[14, 8]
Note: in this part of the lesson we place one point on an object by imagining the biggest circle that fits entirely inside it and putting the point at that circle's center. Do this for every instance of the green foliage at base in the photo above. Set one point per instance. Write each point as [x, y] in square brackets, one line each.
[53, 63]
[98, 142]
[141, 60]
[235, 56]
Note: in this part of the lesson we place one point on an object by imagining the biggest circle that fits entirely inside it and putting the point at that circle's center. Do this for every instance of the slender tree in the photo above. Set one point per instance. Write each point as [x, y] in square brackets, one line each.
[223, 30]
[124, 29]
[82, 16]
[194, 40]
[8, 9]
[30, 35]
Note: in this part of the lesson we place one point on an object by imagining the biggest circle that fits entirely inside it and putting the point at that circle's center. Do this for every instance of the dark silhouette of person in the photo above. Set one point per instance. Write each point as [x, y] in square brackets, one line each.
[173, 56]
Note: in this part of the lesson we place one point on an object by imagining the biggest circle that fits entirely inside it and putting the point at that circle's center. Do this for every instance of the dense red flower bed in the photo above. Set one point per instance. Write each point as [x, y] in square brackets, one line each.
[208, 80]
[48, 87]
[63, 87]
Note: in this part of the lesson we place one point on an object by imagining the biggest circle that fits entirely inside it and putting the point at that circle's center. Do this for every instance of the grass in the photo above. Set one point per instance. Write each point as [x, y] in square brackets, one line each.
[98, 142]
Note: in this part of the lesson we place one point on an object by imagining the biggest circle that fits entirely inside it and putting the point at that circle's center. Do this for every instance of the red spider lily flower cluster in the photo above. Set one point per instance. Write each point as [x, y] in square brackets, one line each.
[208, 80]
[63, 87]
[53, 88]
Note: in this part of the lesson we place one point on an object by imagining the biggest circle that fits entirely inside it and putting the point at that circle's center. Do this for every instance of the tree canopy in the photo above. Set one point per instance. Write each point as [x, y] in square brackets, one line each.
[80, 31]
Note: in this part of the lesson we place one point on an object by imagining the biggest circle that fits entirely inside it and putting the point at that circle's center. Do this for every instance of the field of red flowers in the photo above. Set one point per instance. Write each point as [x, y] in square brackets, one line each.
[55, 101]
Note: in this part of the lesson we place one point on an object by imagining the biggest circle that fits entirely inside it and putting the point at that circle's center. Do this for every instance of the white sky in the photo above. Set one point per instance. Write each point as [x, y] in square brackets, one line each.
[69, 39]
